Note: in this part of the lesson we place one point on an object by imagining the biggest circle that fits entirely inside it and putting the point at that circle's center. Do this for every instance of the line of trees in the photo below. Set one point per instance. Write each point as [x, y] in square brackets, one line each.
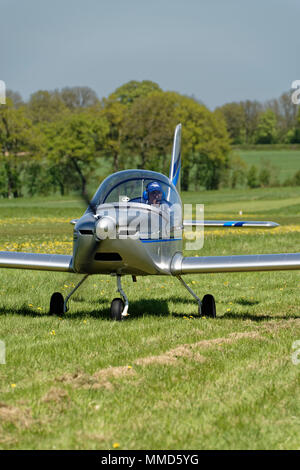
[273, 122]
[60, 140]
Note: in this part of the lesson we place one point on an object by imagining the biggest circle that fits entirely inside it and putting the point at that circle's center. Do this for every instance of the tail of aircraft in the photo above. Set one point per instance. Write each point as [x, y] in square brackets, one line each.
[175, 166]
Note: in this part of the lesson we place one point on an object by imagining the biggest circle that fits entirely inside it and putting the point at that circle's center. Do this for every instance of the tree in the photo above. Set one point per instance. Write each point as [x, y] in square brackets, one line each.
[236, 175]
[73, 141]
[285, 112]
[268, 175]
[129, 92]
[266, 128]
[45, 106]
[252, 177]
[78, 97]
[114, 109]
[296, 178]
[234, 116]
[295, 132]
[114, 112]
[148, 128]
[252, 111]
[19, 142]
[15, 98]
[205, 143]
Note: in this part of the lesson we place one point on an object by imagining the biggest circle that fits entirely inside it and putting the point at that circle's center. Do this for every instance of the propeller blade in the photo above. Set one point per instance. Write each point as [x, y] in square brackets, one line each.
[92, 206]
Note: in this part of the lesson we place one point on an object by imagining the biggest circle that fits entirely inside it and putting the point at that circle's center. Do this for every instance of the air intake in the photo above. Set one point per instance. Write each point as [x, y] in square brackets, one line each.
[108, 257]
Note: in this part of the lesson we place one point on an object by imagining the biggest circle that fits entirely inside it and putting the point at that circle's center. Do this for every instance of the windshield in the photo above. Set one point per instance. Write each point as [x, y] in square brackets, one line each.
[140, 190]
[139, 186]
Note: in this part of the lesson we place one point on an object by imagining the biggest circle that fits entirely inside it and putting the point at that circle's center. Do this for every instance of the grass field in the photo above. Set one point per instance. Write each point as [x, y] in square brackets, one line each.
[163, 379]
[287, 162]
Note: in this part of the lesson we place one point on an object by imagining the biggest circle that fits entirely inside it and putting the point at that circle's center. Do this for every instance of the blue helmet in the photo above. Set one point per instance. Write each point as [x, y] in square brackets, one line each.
[153, 186]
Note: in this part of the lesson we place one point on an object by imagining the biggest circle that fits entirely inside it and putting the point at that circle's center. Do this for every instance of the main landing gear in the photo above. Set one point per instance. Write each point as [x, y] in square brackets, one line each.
[59, 305]
[206, 306]
[118, 308]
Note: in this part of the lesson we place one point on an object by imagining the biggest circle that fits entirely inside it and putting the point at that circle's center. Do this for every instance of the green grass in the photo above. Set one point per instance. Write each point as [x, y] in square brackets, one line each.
[163, 379]
[287, 162]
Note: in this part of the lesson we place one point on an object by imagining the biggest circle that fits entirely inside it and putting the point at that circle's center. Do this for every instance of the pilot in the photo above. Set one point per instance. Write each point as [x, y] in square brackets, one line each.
[153, 194]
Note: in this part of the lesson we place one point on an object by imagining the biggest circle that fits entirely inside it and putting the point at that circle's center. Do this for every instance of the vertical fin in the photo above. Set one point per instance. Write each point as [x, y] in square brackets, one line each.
[175, 166]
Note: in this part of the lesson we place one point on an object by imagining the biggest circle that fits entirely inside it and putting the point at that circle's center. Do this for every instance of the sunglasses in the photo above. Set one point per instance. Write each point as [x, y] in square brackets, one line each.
[156, 193]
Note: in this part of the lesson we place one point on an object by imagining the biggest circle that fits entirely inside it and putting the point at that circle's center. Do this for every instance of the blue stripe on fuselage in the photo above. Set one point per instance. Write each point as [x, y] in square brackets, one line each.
[146, 240]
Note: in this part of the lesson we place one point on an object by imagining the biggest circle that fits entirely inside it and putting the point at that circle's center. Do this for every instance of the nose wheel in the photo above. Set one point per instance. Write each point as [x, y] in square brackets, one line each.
[119, 307]
[116, 309]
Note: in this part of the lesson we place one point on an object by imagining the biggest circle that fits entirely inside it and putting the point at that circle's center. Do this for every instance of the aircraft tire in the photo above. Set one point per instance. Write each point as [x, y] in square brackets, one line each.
[116, 309]
[208, 307]
[56, 304]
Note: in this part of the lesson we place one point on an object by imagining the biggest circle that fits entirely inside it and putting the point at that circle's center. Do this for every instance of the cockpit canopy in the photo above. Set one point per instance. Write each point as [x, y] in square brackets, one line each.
[131, 186]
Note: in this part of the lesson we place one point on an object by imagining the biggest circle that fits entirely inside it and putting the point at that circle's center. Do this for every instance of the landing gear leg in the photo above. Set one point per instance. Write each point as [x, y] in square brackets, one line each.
[192, 293]
[119, 307]
[206, 307]
[72, 292]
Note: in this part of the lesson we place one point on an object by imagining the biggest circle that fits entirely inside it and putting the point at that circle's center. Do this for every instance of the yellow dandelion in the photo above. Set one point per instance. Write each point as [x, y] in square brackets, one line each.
[13, 385]
[52, 332]
[116, 445]
[129, 367]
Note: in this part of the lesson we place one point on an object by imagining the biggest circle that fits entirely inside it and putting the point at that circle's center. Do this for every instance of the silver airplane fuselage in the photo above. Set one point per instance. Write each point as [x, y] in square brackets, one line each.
[136, 238]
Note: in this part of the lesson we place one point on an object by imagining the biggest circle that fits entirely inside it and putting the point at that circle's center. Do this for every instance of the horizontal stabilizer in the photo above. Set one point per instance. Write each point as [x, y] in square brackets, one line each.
[229, 223]
[227, 264]
[38, 261]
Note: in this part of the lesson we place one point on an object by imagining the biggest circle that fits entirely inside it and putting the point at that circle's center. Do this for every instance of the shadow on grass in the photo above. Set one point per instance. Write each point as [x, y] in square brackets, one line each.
[139, 308]
[256, 318]
[247, 302]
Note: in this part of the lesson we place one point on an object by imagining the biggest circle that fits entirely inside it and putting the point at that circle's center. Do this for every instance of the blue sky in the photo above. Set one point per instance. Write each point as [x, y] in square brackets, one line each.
[218, 51]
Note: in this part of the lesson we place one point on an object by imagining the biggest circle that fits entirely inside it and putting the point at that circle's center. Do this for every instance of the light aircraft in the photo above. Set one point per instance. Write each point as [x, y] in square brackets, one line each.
[133, 226]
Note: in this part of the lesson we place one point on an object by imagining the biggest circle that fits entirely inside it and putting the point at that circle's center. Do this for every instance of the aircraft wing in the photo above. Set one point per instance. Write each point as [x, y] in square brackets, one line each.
[38, 261]
[229, 223]
[243, 263]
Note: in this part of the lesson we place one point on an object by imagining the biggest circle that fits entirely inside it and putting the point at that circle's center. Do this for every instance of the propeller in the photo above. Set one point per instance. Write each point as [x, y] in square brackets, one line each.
[91, 205]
